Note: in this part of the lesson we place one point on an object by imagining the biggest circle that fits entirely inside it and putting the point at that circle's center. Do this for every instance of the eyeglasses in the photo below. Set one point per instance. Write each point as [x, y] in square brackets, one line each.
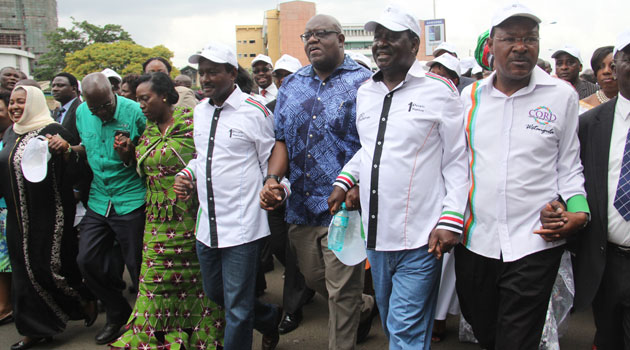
[528, 41]
[261, 70]
[320, 34]
[105, 106]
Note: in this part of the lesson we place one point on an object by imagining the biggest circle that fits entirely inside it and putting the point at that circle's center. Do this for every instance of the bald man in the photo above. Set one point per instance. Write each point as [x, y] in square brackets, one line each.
[109, 126]
[9, 76]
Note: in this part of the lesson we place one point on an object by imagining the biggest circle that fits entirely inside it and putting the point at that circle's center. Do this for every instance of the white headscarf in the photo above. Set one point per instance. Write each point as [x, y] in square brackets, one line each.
[35, 115]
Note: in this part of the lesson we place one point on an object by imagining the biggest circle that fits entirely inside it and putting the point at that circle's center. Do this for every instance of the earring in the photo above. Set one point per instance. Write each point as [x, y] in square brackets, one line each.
[164, 100]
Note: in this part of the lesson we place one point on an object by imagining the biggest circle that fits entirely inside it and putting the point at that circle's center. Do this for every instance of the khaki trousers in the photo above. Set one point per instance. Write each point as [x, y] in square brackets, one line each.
[341, 284]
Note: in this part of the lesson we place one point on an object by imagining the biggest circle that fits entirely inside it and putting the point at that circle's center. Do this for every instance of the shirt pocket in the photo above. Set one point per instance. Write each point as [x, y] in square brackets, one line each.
[238, 141]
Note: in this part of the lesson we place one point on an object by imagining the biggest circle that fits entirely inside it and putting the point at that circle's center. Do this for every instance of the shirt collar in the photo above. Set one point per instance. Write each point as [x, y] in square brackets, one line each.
[270, 89]
[623, 106]
[538, 78]
[67, 105]
[347, 64]
[234, 100]
[416, 70]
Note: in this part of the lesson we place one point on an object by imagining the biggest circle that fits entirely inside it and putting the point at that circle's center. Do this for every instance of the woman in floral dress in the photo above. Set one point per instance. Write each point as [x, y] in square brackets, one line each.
[171, 310]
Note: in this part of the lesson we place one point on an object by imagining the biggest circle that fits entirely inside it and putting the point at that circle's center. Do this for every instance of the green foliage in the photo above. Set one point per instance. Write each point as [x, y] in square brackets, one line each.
[124, 57]
[63, 41]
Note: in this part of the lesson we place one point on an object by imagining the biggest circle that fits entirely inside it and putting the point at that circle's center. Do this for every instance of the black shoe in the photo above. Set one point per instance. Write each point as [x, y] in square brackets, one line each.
[109, 333]
[90, 312]
[290, 322]
[271, 340]
[366, 325]
[28, 343]
[7, 319]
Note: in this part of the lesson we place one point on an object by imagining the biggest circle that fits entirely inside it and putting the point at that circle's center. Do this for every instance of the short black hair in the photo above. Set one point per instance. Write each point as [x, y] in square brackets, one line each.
[598, 57]
[71, 79]
[5, 97]
[163, 60]
[132, 81]
[243, 79]
[161, 84]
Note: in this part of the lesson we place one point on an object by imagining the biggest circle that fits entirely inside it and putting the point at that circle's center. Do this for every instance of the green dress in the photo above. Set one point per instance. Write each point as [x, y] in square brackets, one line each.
[171, 310]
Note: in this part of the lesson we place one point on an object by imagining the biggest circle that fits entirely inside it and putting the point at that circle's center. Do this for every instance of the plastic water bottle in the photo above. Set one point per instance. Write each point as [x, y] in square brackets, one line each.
[337, 233]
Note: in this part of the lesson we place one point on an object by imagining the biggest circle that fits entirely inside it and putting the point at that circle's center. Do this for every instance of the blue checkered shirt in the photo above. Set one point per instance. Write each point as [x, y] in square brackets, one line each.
[317, 121]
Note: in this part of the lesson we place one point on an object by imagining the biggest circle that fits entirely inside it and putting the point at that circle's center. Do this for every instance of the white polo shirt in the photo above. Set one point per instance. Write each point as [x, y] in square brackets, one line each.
[412, 162]
[233, 149]
[524, 153]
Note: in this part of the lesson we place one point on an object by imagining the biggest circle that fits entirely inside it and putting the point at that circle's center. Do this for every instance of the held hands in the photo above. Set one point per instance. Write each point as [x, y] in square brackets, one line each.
[183, 188]
[559, 224]
[57, 145]
[441, 241]
[271, 195]
[338, 196]
[124, 147]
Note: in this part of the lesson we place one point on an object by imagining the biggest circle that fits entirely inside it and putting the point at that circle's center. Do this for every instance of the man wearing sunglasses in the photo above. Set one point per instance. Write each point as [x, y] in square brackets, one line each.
[262, 69]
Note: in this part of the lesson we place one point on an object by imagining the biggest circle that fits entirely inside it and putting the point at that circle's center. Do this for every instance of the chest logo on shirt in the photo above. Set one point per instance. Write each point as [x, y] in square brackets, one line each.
[363, 117]
[415, 107]
[542, 115]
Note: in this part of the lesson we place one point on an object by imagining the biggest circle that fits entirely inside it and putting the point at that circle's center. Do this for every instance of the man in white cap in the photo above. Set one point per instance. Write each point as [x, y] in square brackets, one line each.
[233, 138]
[603, 250]
[446, 66]
[523, 155]
[315, 136]
[413, 175]
[262, 69]
[447, 48]
[568, 68]
[114, 79]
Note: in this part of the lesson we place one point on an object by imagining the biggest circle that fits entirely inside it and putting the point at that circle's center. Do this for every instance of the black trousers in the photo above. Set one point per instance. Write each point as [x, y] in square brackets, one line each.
[99, 262]
[611, 306]
[506, 302]
[295, 292]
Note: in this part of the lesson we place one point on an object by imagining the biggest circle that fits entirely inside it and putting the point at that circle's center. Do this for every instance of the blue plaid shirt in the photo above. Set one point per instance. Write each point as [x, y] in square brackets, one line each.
[317, 121]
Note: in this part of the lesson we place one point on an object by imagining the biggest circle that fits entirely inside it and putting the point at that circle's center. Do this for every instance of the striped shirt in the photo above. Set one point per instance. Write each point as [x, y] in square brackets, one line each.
[412, 162]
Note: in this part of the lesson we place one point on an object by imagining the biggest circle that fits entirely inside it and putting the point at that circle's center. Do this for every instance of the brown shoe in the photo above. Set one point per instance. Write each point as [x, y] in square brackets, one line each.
[271, 339]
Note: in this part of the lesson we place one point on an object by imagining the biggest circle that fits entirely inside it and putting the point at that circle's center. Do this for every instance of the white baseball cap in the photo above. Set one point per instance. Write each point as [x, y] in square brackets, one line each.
[359, 57]
[571, 50]
[623, 40]
[353, 251]
[110, 73]
[450, 48]
[262, 58]
[447, 60]
[396, 19]
[35, 159]
[288, 63]
[217, 53]
[512, 10]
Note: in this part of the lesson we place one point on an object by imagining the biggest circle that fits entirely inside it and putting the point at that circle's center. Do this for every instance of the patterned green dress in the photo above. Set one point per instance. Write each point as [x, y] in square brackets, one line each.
[171, 310]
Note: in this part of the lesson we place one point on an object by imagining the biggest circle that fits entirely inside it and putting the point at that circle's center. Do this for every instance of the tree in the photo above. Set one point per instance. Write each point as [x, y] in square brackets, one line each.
[62, 42]
[124, 57]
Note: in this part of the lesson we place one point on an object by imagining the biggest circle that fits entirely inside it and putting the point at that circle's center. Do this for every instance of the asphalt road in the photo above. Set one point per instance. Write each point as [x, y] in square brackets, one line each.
[312, 334]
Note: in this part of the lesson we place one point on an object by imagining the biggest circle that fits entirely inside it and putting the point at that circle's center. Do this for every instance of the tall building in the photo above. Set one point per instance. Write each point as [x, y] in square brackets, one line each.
[23, 24]
[358, 40]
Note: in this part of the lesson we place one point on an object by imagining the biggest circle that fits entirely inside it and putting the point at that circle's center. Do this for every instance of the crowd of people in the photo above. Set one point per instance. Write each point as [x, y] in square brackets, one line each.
[472, 184]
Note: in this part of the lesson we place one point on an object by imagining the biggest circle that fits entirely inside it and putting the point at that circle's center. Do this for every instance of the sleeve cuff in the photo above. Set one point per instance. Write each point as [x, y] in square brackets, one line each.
[186, 172]
[345, 180]
[452, 221]
[577, 204]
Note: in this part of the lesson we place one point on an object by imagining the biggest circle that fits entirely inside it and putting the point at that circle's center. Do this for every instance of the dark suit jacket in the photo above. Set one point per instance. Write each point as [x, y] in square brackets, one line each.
[591, 244]
[70, 121]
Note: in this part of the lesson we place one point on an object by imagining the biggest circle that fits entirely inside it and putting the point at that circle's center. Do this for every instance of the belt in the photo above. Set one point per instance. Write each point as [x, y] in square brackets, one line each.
[621, 250]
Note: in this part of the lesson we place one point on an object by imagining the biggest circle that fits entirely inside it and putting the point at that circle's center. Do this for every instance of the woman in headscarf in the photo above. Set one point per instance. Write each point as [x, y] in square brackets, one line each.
[47, 290]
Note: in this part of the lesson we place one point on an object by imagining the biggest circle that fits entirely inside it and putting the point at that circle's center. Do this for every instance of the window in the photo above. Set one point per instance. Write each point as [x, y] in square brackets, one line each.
[10, 39]
[252, 55]
[252, 41]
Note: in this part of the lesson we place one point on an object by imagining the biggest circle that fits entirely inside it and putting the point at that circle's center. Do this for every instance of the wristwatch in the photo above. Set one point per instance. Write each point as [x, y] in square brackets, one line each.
[275, 177]
[69, 150]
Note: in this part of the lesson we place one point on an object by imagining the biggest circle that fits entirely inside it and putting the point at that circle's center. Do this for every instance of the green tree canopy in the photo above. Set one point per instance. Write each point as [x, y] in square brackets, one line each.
[63, 41]
[124, 57]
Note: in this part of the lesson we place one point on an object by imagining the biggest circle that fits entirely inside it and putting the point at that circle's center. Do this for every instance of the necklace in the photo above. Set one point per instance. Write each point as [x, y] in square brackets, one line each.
[601, 96]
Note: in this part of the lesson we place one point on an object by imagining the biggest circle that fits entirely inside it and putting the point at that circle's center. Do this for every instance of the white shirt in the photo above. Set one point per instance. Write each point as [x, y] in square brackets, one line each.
[271, 92]
[422, 178]
[228, 198]
[524, 153]
[618, 227]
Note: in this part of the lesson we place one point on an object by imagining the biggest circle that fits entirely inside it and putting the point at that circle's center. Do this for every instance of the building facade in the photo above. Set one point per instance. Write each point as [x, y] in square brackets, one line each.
[249, 43]
[23, 24]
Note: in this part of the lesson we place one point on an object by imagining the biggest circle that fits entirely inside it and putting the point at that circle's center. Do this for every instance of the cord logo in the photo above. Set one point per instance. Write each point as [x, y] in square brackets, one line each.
[542, 115]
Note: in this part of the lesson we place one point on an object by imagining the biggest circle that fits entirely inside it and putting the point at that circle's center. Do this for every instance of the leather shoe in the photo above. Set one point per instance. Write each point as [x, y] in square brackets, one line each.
[90, 312]
[109, 333]
[7, 319]
[271, 339]
[290, 322]
[29, 342]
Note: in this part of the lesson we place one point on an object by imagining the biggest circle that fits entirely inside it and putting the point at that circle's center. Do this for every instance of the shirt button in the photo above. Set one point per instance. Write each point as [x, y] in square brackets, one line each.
[308, 155]
[374, 191]
[379, 143]
[375, 166]
[212, 219]
[389, 95]
[310, 136]
[216, 118]
[307, 194]
[319, 99]
[373, 216]
[208, 179]
[383, 119]
[324, 83]
[308, 175]
[210, 198]
[212, 139]
[209, 158]
[314, 117]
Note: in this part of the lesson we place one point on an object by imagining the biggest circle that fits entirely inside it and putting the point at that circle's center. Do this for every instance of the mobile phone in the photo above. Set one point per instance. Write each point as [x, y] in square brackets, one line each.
[122, 132]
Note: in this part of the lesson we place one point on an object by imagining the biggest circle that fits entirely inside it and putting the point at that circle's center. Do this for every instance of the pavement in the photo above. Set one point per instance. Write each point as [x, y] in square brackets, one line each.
[312, 333]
